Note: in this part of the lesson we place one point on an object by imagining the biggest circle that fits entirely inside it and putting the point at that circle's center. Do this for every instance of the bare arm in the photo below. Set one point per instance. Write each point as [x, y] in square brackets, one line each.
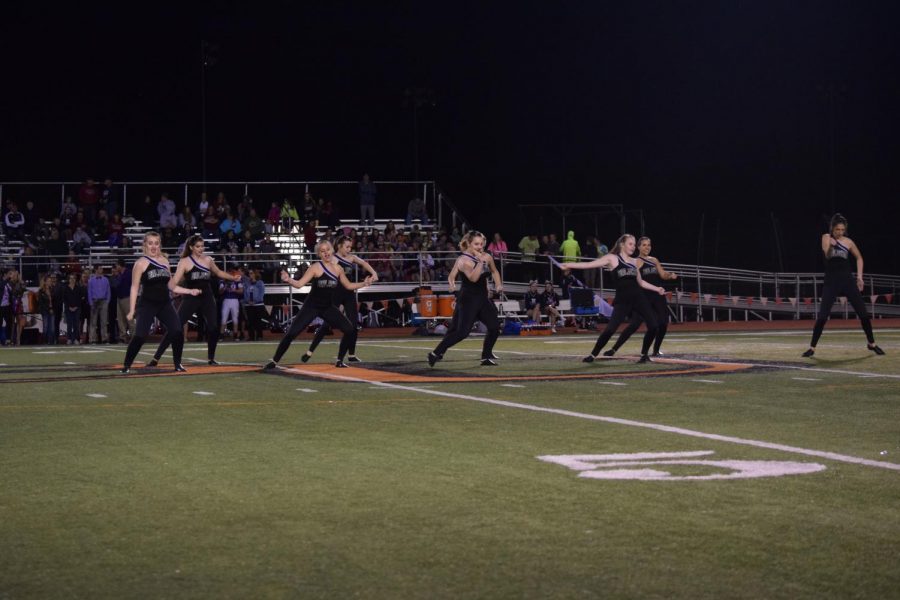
[649, 286]
[214, 268]
[357, 260]
[495, 274]
[179, 275]
[859, 265]
[666, 275]
[470, 271]
[603, 261]
[353, 286]
[451, 279]
[307, 277]
[827, 243]
[139, 267]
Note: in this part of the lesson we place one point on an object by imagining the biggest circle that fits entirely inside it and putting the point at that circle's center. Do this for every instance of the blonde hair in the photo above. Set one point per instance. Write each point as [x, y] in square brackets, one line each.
[157, 236]
[620, 243]
[466, 240]
[321, 242]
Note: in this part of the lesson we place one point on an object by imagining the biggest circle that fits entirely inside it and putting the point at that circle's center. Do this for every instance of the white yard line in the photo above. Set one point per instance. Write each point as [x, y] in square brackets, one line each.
[627, 422]
[205, 393]
[805, 379]
[707, 380]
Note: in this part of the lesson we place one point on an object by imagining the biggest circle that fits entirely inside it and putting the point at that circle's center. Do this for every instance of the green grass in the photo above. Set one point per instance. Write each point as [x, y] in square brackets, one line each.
[263, 491]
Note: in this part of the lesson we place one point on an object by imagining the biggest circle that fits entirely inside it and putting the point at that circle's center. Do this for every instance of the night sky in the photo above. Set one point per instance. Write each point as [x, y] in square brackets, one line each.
[736, 115]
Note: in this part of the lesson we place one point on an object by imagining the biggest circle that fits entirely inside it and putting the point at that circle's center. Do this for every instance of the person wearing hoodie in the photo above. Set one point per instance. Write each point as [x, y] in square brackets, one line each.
[570, 248]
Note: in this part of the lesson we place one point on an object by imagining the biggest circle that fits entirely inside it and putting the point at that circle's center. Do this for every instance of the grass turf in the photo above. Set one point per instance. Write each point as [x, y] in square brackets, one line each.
[340, 489]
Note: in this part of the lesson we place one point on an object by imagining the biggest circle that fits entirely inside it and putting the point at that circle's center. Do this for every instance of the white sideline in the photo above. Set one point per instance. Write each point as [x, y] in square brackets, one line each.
[568, 413]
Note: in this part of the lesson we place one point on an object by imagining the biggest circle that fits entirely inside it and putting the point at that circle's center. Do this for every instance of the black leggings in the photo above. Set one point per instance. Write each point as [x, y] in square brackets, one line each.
[830, 292]
[330, 315]
[469, 310]
[624, 305]
[660, 309]
[352, 314]
[205, 305]
[144, 315]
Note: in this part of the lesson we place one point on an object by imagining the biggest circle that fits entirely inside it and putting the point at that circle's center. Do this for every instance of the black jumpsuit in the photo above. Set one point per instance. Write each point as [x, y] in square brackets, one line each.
[199, 277]
[650, 274]
[347, 299]
[839, 282]
[473, 304]
[629, 299]
[154, 302]
[320, 303]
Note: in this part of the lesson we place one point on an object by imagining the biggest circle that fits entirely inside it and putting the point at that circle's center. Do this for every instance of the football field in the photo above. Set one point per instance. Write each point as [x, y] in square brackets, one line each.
[729, 468]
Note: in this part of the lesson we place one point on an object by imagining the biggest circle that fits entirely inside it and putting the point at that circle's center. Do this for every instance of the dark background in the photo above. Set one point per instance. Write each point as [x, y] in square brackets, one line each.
[756, 119]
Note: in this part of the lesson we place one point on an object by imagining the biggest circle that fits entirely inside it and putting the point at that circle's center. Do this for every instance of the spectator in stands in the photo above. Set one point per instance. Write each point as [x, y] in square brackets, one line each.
[310, 209]
[550, 304]
[570, 248]
[121, 288]
[31, 218]
[187, 223]
[230, 223]
[202, 205]
[67, 214]
[221, 206]
[166, 210]
[268, 253]
[73, 295]
[88, 198]
[529, 246]
[231, 248]
[100, 230]
[273, 217]
[72, 264]
[211, 223]
[46, 309]
[99, 295]
[367, 195]
[254, 225]
[254, 305]
[30, 264]
[56, 246]
[248, 246]
[568, 282]
[426, 260]
[147, 212]
[7, 307]
[81, 240]
[14, 222]
[243, 209]
[170, 238]
[109, 198]
[328, 215]
[416, 210]
[497, 247]
[553, 246]
[289, 216]
[310, 236]
[531, 302]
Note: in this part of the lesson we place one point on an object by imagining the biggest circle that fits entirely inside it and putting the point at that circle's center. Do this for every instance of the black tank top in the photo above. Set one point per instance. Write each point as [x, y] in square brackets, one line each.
[475, 288]
[838, 262]
[323, 288]
[625, 276]
[199, 277]
[650, 273]
[155, 282]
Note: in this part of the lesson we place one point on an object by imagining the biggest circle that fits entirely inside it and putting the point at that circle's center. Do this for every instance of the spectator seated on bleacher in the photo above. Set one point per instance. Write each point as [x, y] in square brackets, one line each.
[416, 210]
[14, 222]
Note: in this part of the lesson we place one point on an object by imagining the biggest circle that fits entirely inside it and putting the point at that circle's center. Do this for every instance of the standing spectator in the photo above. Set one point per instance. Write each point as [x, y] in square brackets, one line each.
[122, 290]
[367, 193]
[85, 314]
[202, 206]
[109, 197]
[88, 199]
[254, 305]
[570, 248]
[416, 210]
[31, 218]
[147, 212]
[7, 307]
[497, 247]
[253, 225]
[289, 216]
[73, 295]
[67, 214]
[310, 209]
[273, 217]
[15, 222]
[166, 210]
[45, 304]
[553, 247]
[100, 230]
[529, 246]
[232, 293]
[98, 298]
[328, 215]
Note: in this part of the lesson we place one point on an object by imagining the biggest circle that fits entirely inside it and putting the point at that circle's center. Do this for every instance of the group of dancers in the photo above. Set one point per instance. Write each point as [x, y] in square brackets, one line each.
[637, 277]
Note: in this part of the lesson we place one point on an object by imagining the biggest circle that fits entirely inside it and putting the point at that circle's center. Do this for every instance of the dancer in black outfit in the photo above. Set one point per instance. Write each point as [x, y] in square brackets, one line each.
[837, 249]
[324, 276]
[196, 270]
[343, 297]
[150, 279]
[629, 297]
[653, 273]
[473, 303]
